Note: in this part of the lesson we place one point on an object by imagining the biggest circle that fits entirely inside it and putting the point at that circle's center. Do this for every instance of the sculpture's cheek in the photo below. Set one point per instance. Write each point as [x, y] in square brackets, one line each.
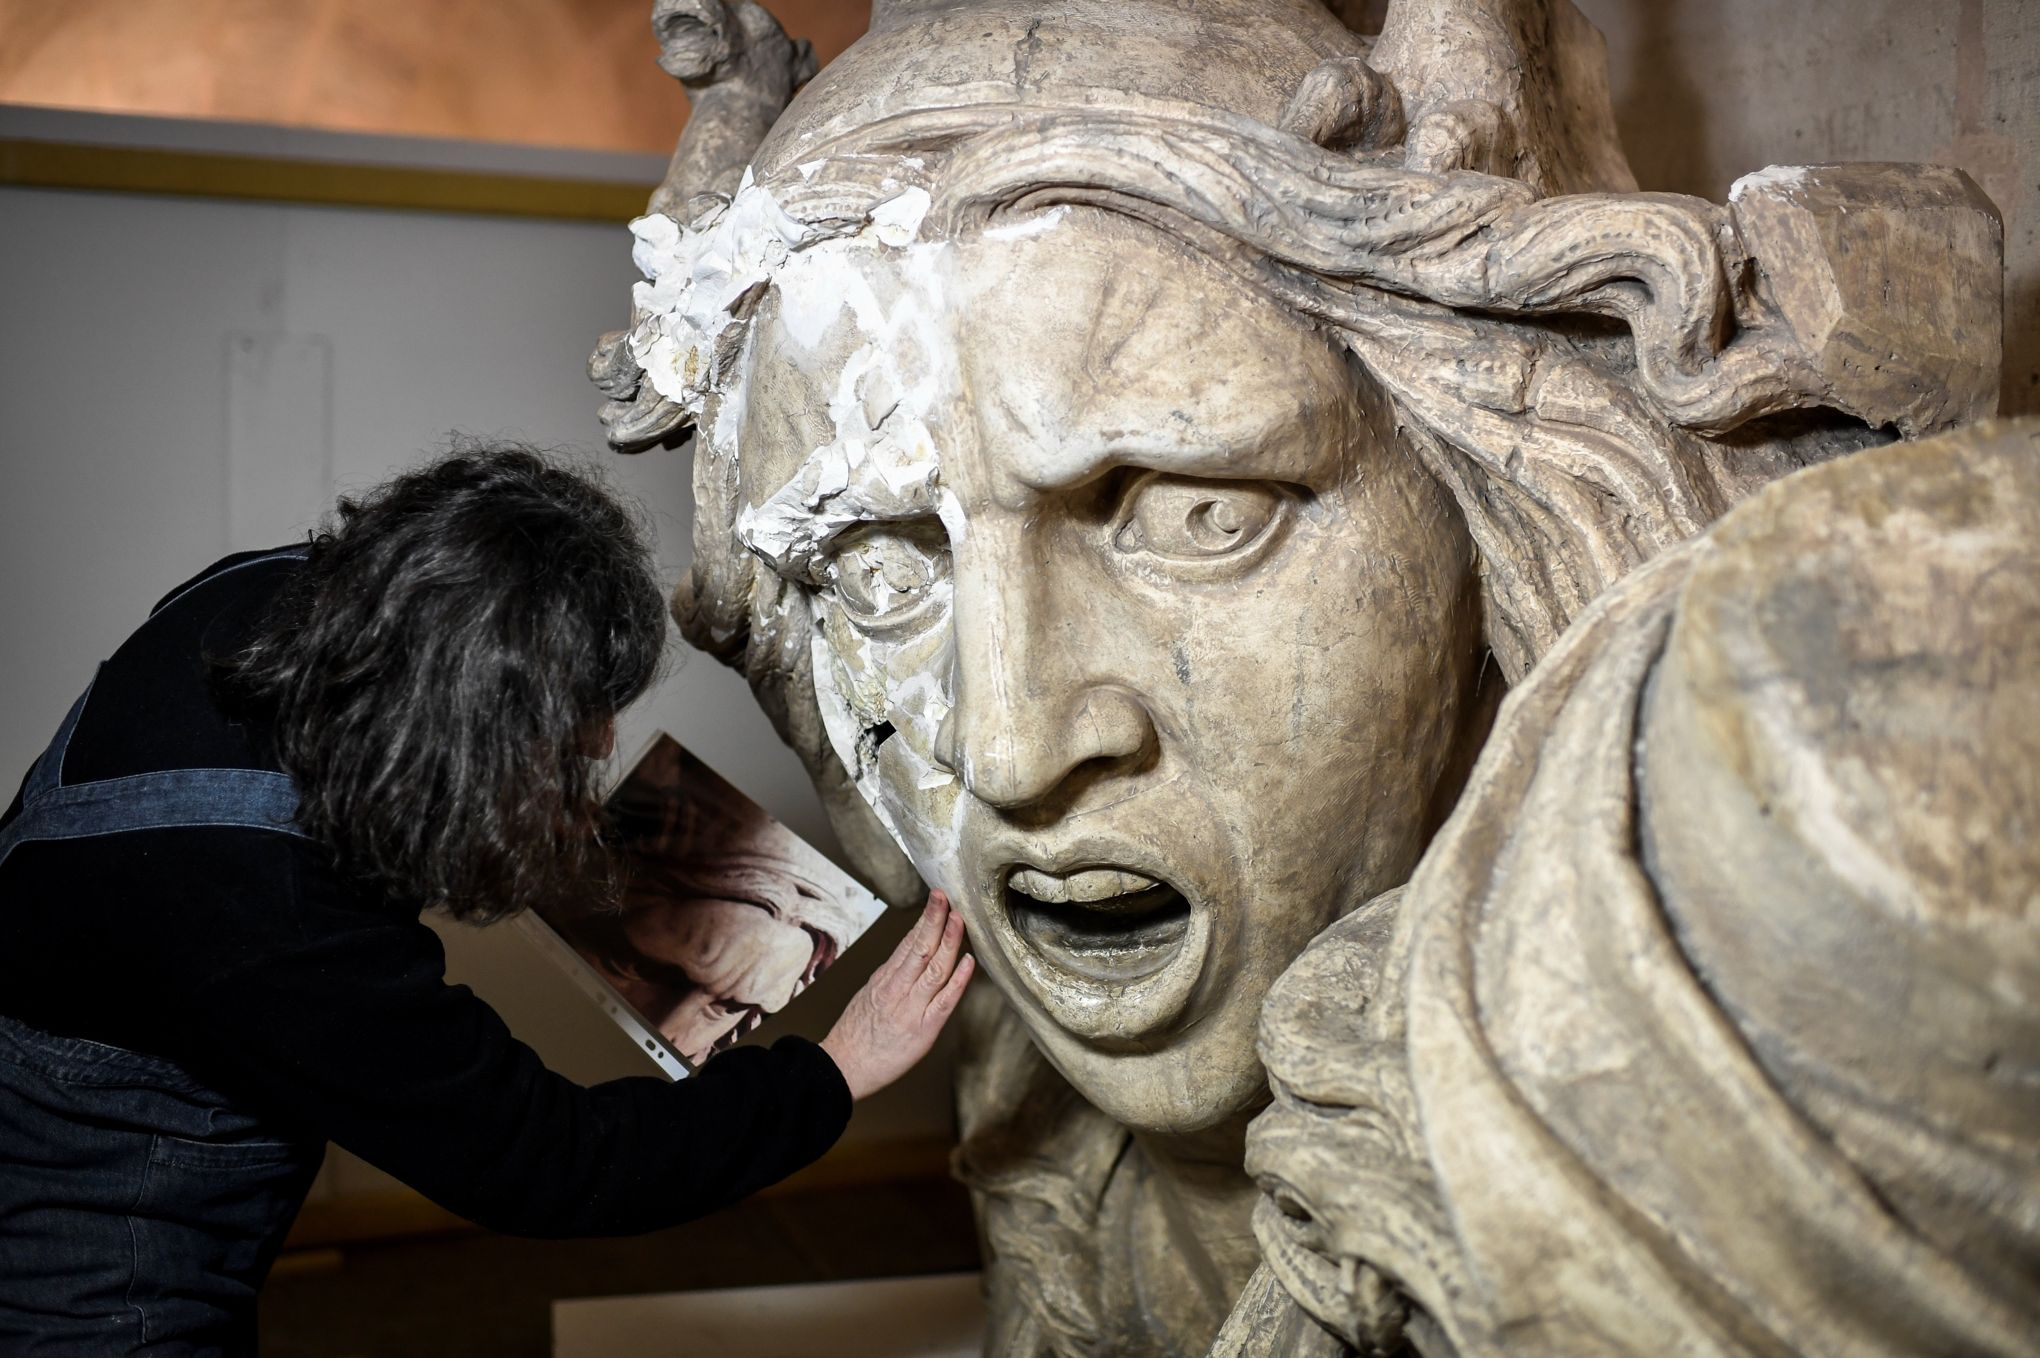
[883, 701]
[1351, 1298]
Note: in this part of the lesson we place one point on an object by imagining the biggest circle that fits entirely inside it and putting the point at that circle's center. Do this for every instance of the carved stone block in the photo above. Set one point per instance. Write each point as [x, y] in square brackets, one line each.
[1887, 275]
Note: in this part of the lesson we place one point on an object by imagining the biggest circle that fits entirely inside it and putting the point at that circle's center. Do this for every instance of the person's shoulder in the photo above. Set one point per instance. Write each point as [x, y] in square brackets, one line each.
[265, 896]
[152, 706]
[255, 571]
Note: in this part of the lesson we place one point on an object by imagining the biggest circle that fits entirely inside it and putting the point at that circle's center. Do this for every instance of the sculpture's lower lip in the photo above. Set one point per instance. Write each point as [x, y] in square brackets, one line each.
[1107, 969]
[1121, 938]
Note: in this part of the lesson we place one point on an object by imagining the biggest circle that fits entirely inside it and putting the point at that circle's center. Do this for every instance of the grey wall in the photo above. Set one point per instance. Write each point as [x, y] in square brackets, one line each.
[180, 378]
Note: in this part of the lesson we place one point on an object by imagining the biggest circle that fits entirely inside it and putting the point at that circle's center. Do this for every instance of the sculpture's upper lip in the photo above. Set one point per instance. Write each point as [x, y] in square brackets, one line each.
[1101, 888]
[1107, 941]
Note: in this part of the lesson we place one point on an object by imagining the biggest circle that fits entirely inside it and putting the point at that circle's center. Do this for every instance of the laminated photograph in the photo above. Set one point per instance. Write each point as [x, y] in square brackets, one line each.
[724, 914]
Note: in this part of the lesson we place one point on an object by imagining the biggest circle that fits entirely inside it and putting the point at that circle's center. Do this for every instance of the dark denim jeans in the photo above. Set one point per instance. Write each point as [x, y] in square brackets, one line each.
[139, 1209]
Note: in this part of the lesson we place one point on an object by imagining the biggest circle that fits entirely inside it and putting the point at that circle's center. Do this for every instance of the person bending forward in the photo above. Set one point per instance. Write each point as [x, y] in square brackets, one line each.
[211, 956]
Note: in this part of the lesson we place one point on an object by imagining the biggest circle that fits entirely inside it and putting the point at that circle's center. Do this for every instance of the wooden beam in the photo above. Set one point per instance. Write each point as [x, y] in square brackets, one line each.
[66, 165]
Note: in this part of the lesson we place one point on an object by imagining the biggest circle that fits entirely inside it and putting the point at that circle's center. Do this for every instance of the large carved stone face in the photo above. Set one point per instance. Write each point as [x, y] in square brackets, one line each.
[1134, 622]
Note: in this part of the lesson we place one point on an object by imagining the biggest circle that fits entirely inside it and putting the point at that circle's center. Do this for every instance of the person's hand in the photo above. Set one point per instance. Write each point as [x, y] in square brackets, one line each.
[892, 1022]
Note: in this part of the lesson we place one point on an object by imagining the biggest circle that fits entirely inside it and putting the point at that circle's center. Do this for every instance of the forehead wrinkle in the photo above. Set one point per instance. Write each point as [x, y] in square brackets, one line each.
[1103, 342]
[1204, 414]
[1114, 317]
[1003, 426]
[1146, 419]
[1131, 305]
[1294, 440]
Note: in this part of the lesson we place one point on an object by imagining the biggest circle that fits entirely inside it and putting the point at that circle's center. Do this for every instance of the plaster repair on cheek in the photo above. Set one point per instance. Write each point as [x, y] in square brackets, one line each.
[880, 463]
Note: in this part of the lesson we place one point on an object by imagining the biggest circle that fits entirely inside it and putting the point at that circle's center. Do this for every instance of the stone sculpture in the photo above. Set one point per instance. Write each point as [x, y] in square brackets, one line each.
[1137, 445]
[1708, 1023]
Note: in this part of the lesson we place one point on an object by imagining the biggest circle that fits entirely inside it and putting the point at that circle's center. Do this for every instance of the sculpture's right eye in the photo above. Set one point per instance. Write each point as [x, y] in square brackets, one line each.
[1191, 521]
[886, 574]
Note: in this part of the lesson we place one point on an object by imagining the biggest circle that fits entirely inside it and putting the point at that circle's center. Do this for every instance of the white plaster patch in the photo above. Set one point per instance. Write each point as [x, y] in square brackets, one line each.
[898, 220]
[694, 277]
[1770, 177]
[863, 683]
[880, 460]
[850, 736]
[1038, 224]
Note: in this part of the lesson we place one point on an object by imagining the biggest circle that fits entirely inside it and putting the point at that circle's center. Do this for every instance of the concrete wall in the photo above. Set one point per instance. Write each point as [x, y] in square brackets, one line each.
[181, 378]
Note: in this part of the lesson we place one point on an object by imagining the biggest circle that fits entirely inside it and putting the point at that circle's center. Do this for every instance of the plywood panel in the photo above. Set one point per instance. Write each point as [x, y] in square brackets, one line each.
[577, 73]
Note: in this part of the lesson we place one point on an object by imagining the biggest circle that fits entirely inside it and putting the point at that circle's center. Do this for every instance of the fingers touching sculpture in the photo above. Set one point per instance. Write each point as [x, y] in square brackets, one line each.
[1136, 444]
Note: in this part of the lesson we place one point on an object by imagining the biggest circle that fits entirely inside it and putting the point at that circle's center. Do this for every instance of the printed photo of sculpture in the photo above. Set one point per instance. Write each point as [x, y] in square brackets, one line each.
[726, 914]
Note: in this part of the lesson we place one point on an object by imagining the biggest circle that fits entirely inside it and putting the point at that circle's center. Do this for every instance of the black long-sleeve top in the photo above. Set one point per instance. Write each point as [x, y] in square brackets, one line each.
[243, 956]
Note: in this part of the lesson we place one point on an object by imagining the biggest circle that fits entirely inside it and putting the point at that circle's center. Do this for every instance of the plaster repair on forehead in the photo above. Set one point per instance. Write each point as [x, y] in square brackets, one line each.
[879, 463]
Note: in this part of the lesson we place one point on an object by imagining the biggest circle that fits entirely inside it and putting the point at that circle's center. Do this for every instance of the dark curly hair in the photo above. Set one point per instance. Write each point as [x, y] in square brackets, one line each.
[438, 672]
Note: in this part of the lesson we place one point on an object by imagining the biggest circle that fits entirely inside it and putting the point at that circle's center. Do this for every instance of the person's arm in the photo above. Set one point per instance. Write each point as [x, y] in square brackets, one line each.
[356, 1033]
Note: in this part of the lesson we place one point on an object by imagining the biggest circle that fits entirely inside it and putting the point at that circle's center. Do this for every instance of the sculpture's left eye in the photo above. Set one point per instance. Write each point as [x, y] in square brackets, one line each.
[1190, 519]
[885, 574]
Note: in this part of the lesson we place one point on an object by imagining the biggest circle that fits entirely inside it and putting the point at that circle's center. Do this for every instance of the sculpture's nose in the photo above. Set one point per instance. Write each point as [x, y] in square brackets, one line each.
[1033, 703]
[1009, 759]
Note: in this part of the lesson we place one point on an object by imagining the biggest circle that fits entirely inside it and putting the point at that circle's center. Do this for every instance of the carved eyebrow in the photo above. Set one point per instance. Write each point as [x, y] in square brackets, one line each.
[794, 528]
[1292, 444]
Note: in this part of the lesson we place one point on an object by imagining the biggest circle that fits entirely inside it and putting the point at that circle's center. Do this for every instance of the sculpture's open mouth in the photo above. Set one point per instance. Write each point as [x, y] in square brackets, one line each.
[1113, 954]
[1106, 924]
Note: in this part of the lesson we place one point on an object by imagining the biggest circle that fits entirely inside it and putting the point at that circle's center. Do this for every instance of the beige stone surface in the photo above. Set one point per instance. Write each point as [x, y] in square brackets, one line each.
[1131, 494]
[1708, 1024]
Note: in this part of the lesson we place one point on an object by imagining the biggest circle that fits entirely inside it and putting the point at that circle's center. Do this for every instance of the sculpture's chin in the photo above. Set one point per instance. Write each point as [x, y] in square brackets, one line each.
[1346, 1295]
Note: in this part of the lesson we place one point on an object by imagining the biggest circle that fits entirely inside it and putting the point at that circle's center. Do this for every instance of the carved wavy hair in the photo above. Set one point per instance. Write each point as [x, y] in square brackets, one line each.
[1593, 377]
[438, 670]
[1569, 368]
